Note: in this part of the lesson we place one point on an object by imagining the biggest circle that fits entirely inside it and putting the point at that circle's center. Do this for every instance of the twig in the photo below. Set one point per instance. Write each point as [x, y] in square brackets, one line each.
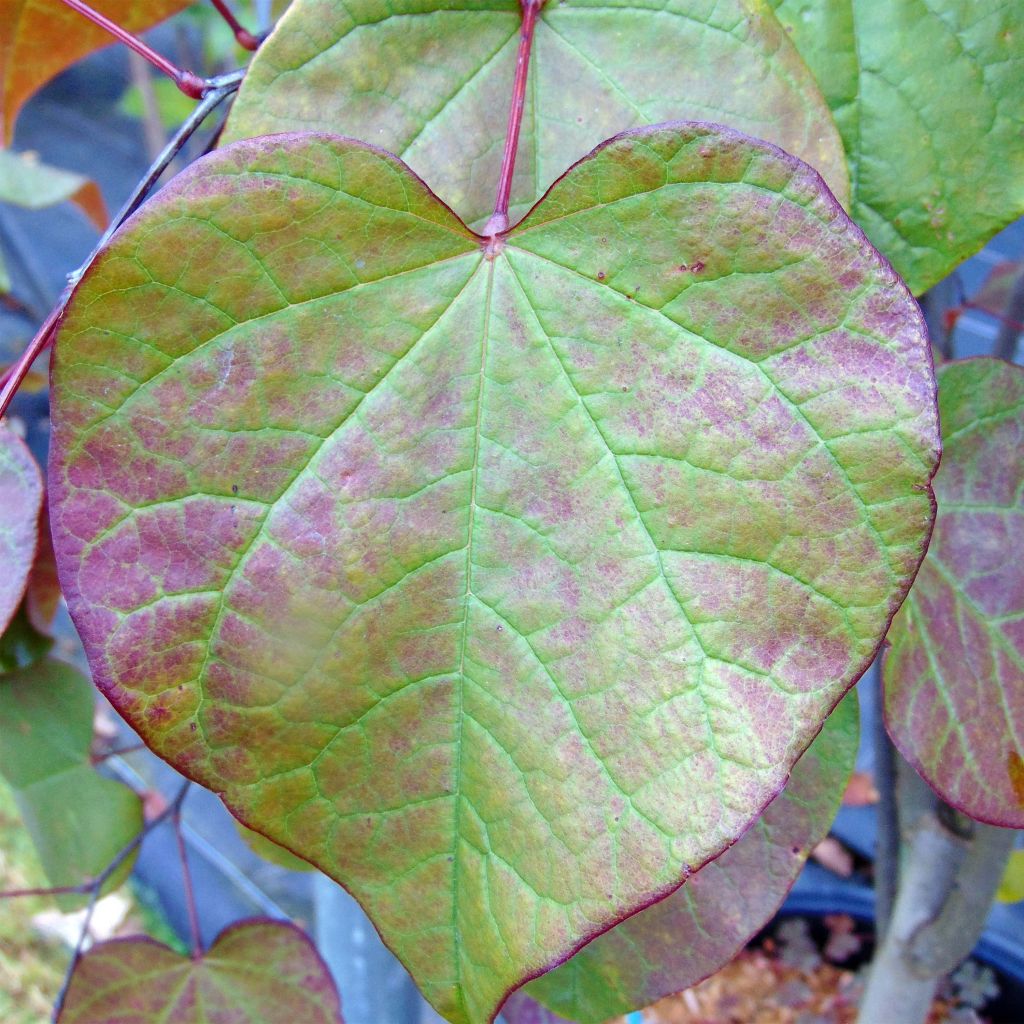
[173, 809]
[224, 86]
[887, 846]
[186, 876]
[244, 38]
[499, 219]
[117, 752]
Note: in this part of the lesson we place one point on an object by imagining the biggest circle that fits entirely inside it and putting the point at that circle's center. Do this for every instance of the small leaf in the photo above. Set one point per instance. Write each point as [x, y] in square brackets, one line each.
[257, 972]
[1011, 888]
[78, 819]
[40, 38]
[954, 676]
[21, 497]
[26, 182]
[689, 935]
[504, 581]
[928, 102]
[430, 83]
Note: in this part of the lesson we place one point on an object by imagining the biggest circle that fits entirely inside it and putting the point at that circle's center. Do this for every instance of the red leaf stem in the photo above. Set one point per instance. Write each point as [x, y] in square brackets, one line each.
[187, 81]
[499, 219]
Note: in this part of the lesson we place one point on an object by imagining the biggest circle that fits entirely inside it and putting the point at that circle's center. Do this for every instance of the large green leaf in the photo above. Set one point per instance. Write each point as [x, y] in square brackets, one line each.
[21, 497]
[704, 924]
[429, 80]
[40, 38]
[257, 972]
[78, 819]
[503, 580]
[929, 101]
[954, 677]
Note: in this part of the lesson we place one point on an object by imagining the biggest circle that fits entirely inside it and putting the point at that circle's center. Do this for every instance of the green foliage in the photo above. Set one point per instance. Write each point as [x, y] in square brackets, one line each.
[78, 819]
[928, 100]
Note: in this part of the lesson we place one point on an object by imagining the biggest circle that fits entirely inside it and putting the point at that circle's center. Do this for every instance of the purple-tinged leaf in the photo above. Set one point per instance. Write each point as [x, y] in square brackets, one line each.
[503, 580]
[428, 80]
[954, 676]
[257, 972]
[21, 497]
[705, 923]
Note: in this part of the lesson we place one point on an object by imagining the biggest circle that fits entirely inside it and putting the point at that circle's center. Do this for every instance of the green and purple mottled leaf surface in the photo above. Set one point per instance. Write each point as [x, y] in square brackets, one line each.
[78, 819]
[954, 677]
[504, 581]
[257, 972]
[21, 497]
[40, 38]
[929, 103]
[429, 80]
[704, 924]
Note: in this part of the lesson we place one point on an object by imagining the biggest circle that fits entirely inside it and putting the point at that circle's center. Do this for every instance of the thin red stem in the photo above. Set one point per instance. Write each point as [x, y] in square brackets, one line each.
[499, 219]
[190, 84]
[190, 897]
[15, 374]
[244, 37]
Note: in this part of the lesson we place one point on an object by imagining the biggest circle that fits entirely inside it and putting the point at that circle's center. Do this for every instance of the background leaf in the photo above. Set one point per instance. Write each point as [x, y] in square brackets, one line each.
[430, 81]
[26, 182]
[78, 819]
[40, 38]
[954, 676]
[257, 972]
[689, 935]
[21, 497]
[929, 103]
[504, 586]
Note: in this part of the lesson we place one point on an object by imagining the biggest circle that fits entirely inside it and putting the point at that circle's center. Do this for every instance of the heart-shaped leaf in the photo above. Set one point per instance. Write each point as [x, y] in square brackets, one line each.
[954, 677]
[257, 972]
[26, 182]
[428, 80]
[40, 38]
[929, 103]
[21, 497]
[704, 924]
[502, 579]
[78, 819]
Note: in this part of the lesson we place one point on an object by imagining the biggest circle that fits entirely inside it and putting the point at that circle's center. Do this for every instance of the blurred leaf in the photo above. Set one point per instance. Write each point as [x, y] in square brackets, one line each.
[256, 972]
[1011, 889]
[954, 675]
[173, 105]
[21, 644]
[21, 498]
[40, 38]
[929, 104]
[26, 182]
[77, 818]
